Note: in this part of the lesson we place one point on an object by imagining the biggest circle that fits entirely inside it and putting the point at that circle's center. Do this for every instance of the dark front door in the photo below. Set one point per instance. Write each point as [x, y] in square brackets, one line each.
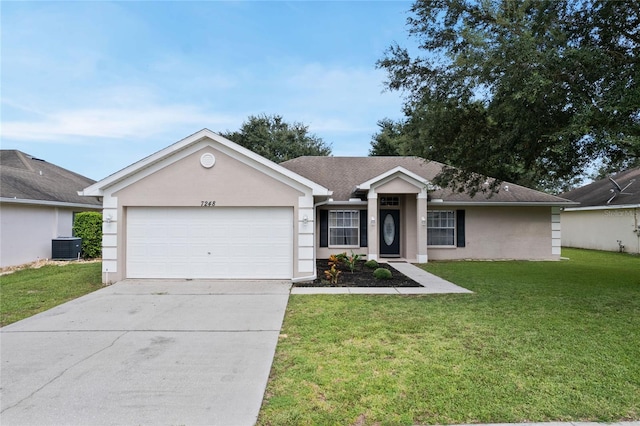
[390, 233]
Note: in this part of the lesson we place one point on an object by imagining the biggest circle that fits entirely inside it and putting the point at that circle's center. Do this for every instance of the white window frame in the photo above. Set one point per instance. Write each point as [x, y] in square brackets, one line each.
[449, 223]
[354, 223]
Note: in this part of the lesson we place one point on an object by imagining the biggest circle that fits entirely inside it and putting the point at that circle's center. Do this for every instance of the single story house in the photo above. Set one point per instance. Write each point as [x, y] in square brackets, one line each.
[38, 201]
[608, 217]
[206, 207]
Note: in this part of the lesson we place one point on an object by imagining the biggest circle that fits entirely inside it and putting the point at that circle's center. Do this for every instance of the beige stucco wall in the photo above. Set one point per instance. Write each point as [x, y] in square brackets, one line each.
[491, 232]
[408, 227]
[601, 229]
[409, 223]
[27, 230]
[230, 183]
[185, 183]
[397, 186]
[325, 252]
[502, 233]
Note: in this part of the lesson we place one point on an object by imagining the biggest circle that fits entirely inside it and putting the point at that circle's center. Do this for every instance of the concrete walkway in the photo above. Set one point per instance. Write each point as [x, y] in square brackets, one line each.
[430, 283]
[145, 353]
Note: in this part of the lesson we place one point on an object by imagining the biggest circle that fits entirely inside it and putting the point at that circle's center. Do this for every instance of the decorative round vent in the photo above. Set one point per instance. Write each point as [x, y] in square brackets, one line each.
[207, 160]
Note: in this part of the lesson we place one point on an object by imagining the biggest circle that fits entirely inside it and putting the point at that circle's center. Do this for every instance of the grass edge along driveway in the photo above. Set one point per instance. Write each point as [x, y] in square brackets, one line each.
[537, 341]
[29, 291]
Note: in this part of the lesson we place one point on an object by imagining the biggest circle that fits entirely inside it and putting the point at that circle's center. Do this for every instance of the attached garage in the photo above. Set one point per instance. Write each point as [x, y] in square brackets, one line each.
[207, 208]
[210, 242]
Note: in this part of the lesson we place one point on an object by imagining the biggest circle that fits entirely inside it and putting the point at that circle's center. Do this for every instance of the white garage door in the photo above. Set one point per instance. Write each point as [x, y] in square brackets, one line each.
[209, 242]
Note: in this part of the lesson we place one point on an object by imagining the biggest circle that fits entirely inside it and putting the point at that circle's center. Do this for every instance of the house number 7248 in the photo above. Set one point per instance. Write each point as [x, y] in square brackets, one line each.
[207, 203]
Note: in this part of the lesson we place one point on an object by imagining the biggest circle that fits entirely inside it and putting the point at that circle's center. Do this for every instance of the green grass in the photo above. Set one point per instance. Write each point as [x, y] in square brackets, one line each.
[537, 341]
[29, 291]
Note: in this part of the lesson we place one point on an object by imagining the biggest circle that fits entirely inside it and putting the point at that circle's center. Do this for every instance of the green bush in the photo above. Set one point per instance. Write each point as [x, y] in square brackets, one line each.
[371, 264]
[382, 274]
[88, 226]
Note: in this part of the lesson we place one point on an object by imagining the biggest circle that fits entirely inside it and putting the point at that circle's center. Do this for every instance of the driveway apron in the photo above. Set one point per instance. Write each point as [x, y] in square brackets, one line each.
[145, 352]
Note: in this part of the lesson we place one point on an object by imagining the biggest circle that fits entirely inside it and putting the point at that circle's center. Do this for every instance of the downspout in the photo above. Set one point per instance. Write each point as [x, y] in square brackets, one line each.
[315, 274]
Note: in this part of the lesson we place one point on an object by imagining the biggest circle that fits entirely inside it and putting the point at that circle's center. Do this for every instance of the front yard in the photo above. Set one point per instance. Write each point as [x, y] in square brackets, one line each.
[537, 341]
[30, 291]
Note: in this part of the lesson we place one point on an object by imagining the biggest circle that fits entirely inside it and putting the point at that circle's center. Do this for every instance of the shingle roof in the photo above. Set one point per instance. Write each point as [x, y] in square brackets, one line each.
[25, 177]
[343, 174]
[598, 193]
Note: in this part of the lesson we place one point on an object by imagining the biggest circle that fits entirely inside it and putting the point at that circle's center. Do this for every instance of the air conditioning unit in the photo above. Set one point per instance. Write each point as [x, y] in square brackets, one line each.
[66, 248]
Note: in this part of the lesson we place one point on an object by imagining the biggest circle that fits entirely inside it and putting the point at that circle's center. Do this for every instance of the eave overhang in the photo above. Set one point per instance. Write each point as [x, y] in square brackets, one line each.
[49, 203]
[608, 207]
[500, 203]
[396, 172]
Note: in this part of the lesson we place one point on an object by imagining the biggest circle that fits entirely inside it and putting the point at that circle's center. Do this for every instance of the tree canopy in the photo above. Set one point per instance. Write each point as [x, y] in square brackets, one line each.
[277, 140]
[529, 91]
[390, 140]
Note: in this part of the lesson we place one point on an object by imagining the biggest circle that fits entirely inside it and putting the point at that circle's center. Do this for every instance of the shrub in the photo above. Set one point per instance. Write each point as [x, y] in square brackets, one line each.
[352, 261]
[382, 274]
[334, 259]
[332, 274]
[371, 264]
[341, 256]
[88, 226]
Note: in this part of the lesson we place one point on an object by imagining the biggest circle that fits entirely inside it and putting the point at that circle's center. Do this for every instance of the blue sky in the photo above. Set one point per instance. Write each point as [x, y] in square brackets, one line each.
[96, 86]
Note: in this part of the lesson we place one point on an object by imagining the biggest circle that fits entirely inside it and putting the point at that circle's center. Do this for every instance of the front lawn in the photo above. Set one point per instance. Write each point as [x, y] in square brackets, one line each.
[29, 291]
[537, 341]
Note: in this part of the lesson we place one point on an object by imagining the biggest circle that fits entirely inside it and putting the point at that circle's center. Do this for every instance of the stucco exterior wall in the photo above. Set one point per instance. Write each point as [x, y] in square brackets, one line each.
[410, 227]
[27, 231]
[229, 182]
[325, 252]
[397, 186]
[602, 229]
[185, 183]
[502, 233]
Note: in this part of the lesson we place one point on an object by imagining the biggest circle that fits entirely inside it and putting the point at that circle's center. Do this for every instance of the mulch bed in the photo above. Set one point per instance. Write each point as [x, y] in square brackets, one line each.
[361, 277]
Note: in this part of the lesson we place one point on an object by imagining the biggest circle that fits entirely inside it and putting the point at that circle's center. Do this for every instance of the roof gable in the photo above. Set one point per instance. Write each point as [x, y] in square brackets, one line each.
[24, 178]
[396, 172]
[191, 144]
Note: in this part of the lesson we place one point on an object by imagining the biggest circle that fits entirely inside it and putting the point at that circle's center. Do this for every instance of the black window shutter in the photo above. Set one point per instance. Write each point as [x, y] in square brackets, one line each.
[363, 228]
[460, 237]
[324, 228]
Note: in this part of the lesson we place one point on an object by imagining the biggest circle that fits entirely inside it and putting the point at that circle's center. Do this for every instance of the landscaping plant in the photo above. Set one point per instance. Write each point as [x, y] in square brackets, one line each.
[335, 260]
[371, 264]
[332, 274]
[352, 261]
[88, 226]
[382, 274]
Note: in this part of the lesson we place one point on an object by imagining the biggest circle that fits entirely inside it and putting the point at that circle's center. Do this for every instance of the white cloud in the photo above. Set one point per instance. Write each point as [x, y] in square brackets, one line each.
[109, 122]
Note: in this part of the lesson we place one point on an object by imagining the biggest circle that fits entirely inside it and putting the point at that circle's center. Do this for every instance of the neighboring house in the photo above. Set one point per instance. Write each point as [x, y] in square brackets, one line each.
[206, 207]
[37, 204]
[608, 217]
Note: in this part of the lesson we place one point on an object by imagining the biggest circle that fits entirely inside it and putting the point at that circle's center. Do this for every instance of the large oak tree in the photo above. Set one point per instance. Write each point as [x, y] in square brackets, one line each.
[530, 91]
[277, 140]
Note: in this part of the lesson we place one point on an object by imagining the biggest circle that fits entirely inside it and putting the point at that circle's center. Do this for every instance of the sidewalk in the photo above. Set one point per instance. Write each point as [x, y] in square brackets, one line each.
[430, 283]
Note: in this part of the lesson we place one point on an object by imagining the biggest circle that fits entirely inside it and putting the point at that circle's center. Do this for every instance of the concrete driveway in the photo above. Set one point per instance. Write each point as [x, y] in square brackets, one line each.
[152, 353]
